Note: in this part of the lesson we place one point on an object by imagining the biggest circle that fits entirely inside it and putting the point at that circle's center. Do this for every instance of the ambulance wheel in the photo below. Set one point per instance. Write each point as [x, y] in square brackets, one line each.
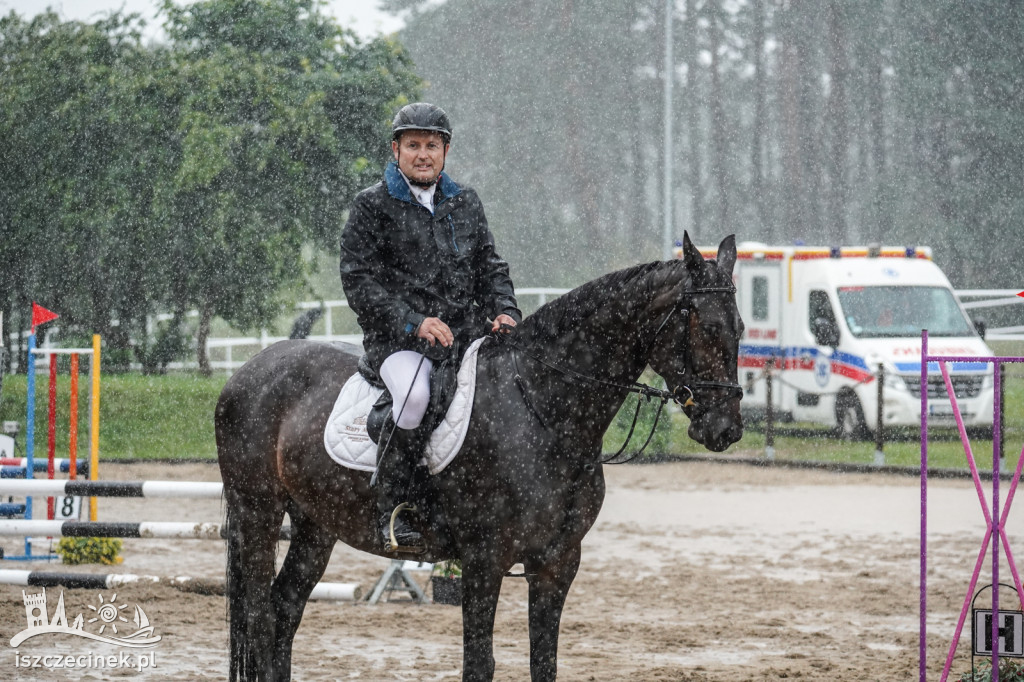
[850, 418]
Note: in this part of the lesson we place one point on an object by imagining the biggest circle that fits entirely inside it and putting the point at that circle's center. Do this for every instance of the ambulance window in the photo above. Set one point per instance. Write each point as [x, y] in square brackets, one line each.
[759, 298]
[818, 306]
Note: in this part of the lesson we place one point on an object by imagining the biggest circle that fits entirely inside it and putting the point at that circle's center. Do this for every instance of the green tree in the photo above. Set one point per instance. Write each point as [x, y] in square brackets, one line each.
[961, 103]
[282, 117]
[138, 179]
[72, 164]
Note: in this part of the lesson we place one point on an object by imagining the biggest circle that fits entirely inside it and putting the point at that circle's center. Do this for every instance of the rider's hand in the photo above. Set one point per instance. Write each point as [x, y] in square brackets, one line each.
[500, 320]
[434, 330]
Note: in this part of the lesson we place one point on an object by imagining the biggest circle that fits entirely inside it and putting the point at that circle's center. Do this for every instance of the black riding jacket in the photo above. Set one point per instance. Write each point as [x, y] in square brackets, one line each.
[400, 264]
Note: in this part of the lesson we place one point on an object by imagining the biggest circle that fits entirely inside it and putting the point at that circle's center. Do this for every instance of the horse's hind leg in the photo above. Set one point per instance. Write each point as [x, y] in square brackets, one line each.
[304, 565]
[254, 527]
[549, 585]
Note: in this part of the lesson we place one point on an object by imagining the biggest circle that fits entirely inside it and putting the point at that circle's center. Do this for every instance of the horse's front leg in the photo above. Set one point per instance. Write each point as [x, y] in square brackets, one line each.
[549, 584]
[481, 584]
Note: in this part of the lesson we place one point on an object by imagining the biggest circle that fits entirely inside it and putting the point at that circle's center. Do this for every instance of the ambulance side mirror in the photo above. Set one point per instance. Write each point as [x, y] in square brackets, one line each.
[981, 326]
[825, 332]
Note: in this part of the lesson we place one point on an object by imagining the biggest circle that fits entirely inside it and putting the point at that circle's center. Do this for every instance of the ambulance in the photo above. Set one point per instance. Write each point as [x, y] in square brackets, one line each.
[829, 317]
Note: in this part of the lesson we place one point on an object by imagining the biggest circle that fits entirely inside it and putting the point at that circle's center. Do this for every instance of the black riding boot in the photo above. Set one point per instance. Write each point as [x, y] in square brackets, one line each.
[393, 479]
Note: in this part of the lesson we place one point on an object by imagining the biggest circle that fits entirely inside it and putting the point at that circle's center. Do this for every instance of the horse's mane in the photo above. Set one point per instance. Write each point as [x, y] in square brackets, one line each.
[633, 286]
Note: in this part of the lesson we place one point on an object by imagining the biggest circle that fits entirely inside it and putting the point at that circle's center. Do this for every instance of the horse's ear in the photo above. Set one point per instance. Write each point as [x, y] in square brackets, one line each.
[691, 256]
[727, 254]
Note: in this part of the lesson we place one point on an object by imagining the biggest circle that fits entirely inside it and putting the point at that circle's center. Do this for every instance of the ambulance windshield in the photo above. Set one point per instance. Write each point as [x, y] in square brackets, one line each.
[894, 311]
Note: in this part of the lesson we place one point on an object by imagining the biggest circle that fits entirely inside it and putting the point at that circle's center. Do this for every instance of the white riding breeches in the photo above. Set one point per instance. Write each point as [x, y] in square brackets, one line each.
[409, 388]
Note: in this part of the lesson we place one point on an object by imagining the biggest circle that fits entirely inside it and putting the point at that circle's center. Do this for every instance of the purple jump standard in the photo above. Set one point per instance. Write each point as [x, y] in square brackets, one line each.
[995, 519]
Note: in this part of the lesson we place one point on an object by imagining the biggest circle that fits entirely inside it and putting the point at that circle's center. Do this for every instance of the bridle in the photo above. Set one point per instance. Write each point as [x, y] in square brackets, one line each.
[690, 381]
[683, 394]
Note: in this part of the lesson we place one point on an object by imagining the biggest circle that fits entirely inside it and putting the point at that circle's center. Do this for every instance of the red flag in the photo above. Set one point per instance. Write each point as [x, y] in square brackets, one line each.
[1021, 294]
[41, 315]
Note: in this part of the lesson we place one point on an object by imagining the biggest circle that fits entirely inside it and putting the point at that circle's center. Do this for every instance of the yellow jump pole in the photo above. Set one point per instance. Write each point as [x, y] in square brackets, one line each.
[94, 424]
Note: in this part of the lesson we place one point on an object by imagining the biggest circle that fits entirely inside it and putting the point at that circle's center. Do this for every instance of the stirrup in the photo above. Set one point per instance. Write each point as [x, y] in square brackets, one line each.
[392, 546]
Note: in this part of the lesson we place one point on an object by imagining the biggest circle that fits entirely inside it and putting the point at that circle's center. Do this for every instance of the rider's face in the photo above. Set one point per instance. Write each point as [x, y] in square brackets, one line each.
[420, 155]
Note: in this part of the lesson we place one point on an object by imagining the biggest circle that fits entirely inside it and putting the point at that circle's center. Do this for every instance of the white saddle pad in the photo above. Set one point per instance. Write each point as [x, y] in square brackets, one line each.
[349, 444]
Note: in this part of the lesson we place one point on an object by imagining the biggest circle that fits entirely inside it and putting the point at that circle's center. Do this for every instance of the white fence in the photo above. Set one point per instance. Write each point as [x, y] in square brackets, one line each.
[248, 346]
[974, 299]
[230, 353]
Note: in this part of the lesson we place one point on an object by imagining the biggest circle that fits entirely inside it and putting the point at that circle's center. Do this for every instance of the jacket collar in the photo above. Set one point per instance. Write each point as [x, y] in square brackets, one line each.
[399, 189]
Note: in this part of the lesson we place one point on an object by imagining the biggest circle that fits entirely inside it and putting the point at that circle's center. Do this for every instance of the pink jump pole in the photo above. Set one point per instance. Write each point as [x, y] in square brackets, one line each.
[51, 431]
[984, 510]
[995, 518]
[996, 529]
[73, 429]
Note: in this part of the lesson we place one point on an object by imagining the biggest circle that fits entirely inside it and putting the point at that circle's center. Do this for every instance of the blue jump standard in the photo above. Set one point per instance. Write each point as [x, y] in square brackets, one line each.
[9, 510]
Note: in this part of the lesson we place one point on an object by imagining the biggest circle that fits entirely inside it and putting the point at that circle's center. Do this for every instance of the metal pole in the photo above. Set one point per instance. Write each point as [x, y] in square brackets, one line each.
[879, 440]
[1002, 428]
[997, 448]
[51, 428]
[769, 426]
[667, 241]
[30, 427]
[922, 638]
[94, 421]
[73, 427]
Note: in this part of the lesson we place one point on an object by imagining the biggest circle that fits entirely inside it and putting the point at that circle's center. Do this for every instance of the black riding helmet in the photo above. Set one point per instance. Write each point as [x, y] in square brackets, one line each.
[422, 116]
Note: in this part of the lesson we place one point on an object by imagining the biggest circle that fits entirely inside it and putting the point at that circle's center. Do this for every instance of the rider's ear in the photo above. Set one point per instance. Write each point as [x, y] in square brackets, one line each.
[727, 254]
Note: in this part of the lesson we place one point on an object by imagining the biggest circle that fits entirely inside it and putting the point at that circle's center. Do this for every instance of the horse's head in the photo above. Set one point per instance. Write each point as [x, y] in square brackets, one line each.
[697, 343]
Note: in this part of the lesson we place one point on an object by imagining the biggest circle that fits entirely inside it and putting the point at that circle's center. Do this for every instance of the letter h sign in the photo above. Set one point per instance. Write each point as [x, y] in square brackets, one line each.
[1009, 633]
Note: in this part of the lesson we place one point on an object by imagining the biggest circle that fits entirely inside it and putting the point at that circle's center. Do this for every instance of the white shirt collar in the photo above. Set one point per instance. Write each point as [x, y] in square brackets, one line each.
[424, 195]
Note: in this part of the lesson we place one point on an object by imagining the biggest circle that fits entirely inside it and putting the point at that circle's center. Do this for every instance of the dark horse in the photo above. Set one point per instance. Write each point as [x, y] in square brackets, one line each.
[528, 483]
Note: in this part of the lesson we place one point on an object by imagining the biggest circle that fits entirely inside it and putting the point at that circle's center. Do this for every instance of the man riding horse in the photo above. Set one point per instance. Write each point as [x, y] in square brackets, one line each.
[419, 269]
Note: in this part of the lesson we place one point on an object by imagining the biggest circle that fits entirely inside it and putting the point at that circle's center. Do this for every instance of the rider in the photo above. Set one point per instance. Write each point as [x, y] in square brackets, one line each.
[420, 271]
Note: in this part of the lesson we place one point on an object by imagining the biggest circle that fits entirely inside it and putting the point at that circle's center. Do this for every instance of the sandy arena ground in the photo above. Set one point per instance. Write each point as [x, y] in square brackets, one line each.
[694, 571]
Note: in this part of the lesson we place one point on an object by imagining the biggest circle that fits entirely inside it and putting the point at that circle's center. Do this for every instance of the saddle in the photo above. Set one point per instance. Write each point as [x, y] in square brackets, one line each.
[443, 381]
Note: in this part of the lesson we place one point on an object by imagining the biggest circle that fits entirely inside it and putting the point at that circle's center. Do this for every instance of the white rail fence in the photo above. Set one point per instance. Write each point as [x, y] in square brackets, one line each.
[230, 353]
[974, 299]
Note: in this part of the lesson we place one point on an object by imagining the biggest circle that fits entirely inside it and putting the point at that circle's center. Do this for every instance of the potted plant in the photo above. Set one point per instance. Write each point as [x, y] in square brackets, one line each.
[446, 582]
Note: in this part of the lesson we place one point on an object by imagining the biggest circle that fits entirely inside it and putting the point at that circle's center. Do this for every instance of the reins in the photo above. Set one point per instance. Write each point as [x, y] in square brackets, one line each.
[642, 390]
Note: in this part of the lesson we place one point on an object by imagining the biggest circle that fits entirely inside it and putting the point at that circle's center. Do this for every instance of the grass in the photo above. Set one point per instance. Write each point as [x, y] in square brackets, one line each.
[143, 417]
[171, 417]
[810, 442]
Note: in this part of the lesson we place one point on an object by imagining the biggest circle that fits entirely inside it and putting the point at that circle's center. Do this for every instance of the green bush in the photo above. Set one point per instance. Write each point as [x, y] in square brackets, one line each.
[1010, 670]
[449, 569]
[90, 551]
